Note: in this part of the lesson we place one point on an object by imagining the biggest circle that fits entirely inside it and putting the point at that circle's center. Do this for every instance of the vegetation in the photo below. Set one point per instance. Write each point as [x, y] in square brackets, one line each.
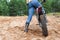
[19, 7]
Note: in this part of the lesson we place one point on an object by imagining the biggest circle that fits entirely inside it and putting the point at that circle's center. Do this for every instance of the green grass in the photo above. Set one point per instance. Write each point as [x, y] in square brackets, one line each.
[56, 13]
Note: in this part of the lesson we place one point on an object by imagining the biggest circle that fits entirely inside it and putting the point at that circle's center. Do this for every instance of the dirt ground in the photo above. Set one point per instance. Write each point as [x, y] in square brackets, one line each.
[12, 28]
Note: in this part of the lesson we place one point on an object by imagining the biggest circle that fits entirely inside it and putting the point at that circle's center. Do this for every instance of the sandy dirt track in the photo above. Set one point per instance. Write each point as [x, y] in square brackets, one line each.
[12, 28]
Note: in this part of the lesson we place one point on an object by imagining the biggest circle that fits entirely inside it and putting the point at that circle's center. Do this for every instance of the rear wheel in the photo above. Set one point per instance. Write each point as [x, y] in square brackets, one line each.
[43, 25]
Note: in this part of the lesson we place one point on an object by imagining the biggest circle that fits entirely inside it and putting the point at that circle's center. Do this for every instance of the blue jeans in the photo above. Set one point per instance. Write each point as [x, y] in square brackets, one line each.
[31, 7]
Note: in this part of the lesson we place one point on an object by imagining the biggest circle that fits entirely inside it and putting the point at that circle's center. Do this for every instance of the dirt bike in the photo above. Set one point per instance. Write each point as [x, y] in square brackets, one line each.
[42, 22]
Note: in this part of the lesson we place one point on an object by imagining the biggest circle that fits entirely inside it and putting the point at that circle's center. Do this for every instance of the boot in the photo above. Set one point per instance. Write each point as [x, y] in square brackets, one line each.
[26, 27]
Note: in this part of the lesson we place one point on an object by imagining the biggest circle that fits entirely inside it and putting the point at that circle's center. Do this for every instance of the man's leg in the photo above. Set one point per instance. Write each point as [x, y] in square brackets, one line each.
[31, 12]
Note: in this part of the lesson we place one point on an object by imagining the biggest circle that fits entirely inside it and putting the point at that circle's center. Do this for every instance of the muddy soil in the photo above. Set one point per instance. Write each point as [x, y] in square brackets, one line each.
[12, 28]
